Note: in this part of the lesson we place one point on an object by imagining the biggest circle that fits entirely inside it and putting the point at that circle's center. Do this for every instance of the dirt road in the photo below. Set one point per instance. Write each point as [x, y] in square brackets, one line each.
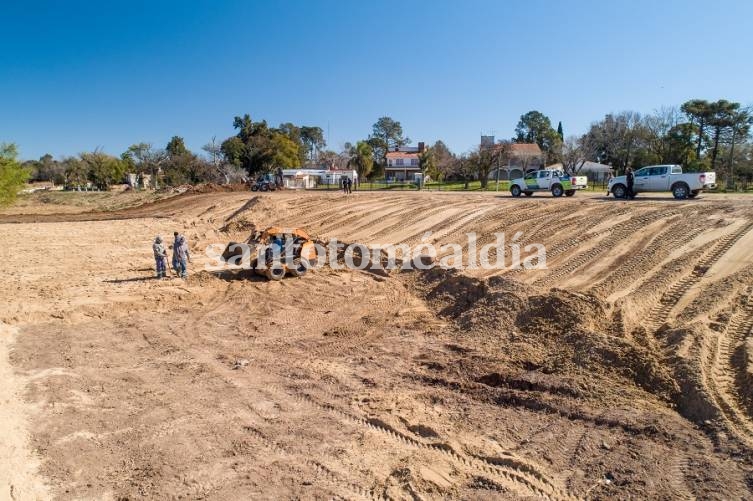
[623, 370]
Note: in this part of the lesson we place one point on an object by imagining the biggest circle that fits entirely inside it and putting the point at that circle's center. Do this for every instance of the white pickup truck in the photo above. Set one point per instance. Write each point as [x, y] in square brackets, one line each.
[553, 180]
[664, 178]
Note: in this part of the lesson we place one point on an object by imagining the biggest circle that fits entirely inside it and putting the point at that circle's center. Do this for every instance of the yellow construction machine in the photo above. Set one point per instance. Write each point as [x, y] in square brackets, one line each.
[274, 252]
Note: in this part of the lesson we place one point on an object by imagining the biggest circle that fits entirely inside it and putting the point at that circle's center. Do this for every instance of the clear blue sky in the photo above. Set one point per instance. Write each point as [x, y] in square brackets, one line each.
[79, 75]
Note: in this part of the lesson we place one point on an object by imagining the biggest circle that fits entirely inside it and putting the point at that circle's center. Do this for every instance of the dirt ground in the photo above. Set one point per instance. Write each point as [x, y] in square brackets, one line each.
[622, 371]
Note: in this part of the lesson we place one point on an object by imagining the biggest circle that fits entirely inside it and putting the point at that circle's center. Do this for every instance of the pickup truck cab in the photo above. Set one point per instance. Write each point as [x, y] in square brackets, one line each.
[552, 180]
[656, 178]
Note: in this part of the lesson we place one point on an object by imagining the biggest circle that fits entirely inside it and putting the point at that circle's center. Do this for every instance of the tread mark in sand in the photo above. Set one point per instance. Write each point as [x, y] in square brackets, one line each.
[721, 369]
[660, 312]
[620, 231]
[675, 237]
[354, 214]
[417, 216]
[677, 483]
[517, 475]
[453, 222]
[328, 474]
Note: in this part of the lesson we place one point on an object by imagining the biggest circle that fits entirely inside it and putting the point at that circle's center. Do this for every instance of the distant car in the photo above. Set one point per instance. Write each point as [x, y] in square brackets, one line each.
[658, 178]
[551, 180]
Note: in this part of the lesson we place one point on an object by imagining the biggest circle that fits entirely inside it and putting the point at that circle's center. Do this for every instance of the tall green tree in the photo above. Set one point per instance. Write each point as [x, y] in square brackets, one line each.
[75, 172]
[699, 112]
[386, 135]
[535, 127]
[560, 131]
[12, 175]
[723, 118]
[176, 147]
[258, 148]
[103, 170]
[313, 142]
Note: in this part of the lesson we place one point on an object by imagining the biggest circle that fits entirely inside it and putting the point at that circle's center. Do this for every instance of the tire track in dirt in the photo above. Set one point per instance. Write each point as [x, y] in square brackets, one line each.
[456, 221]
[725, 366]
[415, 217]
[330, 476]
[375, 214]
[677, 482]
[508, 471]
[617, 232]
[519, 476]
[662, 245]
[565, 245]
[356, 213]
[659, 314]
[327, 211]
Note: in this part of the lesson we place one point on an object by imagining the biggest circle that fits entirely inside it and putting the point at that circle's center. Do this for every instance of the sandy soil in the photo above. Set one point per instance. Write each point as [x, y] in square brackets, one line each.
[622, 371]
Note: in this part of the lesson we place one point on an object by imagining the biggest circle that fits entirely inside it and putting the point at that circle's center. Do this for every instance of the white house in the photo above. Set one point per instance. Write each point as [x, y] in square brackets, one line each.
[403, 163]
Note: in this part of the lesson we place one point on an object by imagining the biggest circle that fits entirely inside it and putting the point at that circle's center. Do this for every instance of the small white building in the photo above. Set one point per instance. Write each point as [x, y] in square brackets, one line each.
[311, 178]
[596, 172]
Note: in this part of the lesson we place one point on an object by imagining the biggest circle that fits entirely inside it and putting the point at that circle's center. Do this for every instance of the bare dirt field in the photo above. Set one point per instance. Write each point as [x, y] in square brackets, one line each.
[624, 370]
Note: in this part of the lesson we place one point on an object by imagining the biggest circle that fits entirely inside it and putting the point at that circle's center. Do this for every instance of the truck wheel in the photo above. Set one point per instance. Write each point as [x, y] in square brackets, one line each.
[264, 187]
[619, 191]
[300, 267]
[557, 190]
[275, 272]
[694, 193]
[569, 193]
[529, 193]
[255, 188]
[680, 191]
[515, 190]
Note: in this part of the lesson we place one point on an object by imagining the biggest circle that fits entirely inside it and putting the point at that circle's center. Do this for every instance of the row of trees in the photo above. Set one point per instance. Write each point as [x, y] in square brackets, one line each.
[699, 134]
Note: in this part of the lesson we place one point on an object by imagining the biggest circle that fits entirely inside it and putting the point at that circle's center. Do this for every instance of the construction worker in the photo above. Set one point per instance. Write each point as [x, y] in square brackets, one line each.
[630, 178]
[181, 255]
[176, 236]
[160, 256]
[349, 184]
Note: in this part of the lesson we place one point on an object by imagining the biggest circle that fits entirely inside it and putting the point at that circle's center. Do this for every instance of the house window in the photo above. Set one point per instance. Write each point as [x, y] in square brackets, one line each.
[414, 161]
[399, 162]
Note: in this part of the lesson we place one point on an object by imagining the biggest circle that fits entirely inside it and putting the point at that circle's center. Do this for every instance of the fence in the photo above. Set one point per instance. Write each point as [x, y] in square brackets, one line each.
[384, 184]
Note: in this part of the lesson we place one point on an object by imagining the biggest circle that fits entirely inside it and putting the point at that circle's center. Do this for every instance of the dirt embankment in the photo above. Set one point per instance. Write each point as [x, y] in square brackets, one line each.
[621, 371]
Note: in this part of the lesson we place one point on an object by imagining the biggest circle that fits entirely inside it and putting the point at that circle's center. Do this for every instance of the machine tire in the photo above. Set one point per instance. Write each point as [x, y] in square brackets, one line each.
[275, 272]
[264, 187]
[557, 190]
[300, 267]
[255, 187]
[569, 193]
[680, 191]
[619, 191]
[529, 193]
[515, 190]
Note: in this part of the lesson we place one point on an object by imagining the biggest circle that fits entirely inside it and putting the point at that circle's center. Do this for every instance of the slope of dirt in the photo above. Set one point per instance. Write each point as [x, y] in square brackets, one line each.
[621, 371]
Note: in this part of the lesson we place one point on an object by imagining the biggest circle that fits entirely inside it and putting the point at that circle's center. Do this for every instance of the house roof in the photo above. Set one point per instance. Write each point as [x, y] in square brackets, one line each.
[525, 148]
[401, 154]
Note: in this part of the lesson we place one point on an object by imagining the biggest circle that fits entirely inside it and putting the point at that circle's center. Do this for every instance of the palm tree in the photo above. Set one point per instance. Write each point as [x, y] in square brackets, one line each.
[361, 159]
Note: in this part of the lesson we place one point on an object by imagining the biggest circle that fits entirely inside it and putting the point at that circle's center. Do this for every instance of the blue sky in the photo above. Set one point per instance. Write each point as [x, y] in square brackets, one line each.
[79, 75]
